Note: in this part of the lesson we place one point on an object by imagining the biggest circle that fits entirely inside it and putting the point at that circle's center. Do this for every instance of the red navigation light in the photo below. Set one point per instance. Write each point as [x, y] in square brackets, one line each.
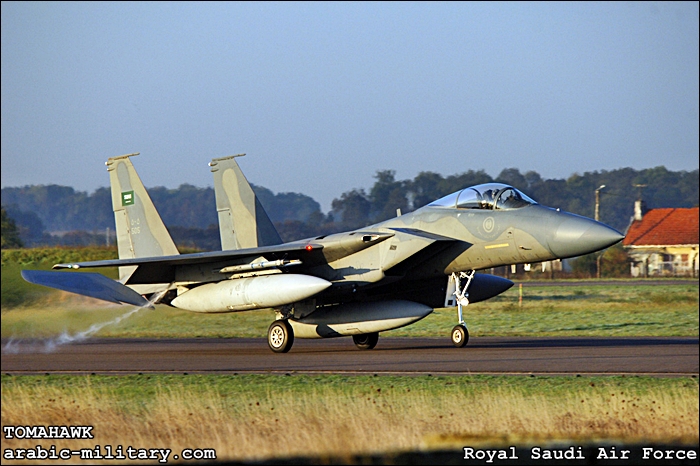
[309, 247]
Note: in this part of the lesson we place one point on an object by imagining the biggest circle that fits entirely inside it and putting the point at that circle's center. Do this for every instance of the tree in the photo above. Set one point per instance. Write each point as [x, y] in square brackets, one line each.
[584, 266]
[10, 233]
[187, 206]
[386, 196]
[464, 180]
[291, 206]
[512, 177]
[29, 226]
[353, 208]
[426, 187]
[615, 262]
[58, 208]
[203, 239]
[532, 178]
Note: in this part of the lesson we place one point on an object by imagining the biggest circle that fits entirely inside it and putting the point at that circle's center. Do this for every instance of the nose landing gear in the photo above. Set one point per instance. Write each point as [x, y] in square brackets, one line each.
[460, 333]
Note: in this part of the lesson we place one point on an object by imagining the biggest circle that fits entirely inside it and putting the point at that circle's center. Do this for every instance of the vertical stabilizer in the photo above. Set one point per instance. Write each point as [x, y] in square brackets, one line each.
[243, 223]
[140, 230]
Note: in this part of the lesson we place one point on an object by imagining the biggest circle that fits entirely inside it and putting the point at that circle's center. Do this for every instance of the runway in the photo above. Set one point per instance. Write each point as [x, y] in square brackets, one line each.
[658, 356]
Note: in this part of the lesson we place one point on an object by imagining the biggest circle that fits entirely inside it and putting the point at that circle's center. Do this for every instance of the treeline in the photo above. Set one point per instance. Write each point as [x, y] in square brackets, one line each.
[40, 212]
[62, 208]
[51, 215]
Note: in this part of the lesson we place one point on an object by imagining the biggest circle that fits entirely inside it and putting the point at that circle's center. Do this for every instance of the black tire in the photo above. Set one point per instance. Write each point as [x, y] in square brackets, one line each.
[460, 336]
[280, 336]
[366, 340]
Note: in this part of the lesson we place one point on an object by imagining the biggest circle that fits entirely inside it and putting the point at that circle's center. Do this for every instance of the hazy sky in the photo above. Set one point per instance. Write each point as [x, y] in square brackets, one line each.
[322, 95]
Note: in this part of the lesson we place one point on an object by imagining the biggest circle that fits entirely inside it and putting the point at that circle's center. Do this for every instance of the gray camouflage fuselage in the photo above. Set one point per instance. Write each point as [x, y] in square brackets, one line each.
[485, 239]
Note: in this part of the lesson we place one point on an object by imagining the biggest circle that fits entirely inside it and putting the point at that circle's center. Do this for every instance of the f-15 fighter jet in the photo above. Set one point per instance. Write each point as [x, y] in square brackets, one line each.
[358, 283]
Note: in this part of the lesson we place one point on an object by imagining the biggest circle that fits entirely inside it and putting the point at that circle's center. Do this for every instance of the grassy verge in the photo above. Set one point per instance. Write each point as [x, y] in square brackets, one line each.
[643, 310]
[258, 416]
[613, 310]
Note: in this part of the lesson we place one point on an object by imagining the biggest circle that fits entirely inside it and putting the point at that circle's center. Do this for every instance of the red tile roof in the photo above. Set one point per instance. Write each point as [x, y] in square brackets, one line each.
[664, 227]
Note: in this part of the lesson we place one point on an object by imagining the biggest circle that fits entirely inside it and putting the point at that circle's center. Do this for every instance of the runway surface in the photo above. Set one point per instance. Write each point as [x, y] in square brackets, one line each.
[661, 356]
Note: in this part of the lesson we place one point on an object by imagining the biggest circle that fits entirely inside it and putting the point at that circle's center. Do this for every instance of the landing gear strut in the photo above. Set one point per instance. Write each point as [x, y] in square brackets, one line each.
[280, 336]
[460, 333]
[366, 340]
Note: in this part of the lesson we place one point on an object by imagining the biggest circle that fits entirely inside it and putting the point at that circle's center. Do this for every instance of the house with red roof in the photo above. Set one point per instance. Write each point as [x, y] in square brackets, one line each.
[663, 242]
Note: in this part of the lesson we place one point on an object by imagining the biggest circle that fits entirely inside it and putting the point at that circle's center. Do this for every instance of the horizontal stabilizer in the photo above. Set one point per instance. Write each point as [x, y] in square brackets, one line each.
[86, 284]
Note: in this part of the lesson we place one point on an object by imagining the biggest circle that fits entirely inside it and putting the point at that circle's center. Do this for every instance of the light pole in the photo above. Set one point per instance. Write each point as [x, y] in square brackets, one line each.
[597, 219]
[597, 202]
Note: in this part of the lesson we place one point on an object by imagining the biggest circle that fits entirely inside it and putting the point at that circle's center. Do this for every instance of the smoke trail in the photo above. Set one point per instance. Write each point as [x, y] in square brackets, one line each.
[65, 338]
[50, 345]
[11, 347]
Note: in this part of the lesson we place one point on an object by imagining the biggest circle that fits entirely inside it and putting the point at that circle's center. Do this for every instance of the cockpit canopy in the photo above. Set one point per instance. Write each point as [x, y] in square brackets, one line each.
[487, 196]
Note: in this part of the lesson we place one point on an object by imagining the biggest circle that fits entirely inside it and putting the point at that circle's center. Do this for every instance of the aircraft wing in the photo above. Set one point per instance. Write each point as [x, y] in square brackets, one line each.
[291, 249]
[309, 253]
[162, 269]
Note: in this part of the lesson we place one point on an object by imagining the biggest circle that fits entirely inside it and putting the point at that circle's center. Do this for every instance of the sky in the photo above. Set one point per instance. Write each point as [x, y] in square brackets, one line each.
[320, 96]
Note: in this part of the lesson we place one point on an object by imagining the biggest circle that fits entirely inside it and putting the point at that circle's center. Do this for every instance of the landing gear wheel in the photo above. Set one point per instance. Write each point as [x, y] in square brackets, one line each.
[366, 340]
[280, 336]
[460, 336]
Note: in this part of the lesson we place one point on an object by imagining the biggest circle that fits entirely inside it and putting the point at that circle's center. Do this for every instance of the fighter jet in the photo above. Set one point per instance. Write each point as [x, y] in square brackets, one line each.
[358, 283]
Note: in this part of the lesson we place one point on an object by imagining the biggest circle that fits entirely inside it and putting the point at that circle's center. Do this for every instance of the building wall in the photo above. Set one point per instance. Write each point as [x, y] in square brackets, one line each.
[659, 261]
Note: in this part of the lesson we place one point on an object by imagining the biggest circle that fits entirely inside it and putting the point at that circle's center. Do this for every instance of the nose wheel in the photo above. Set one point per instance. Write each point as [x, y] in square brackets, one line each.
[460, 335]
[280, 336]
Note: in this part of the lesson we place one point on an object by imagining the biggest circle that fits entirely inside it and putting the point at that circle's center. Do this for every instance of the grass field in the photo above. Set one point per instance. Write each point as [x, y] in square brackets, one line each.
[596, 310]
[259, 416]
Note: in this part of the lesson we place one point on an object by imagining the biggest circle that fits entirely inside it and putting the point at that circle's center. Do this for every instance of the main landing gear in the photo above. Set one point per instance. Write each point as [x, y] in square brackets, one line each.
[460, 333]
[280, 336]
[366, 341]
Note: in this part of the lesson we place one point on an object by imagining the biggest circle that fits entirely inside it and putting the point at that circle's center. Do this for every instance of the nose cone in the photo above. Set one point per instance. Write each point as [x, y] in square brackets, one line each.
[575, 236]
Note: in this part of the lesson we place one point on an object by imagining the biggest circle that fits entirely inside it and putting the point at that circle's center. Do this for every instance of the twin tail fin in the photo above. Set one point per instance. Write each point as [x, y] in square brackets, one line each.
[243, 222]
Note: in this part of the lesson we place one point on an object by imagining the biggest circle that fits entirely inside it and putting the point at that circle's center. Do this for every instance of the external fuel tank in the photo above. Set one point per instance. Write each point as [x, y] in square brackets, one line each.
[357, 318]
[242, 294]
